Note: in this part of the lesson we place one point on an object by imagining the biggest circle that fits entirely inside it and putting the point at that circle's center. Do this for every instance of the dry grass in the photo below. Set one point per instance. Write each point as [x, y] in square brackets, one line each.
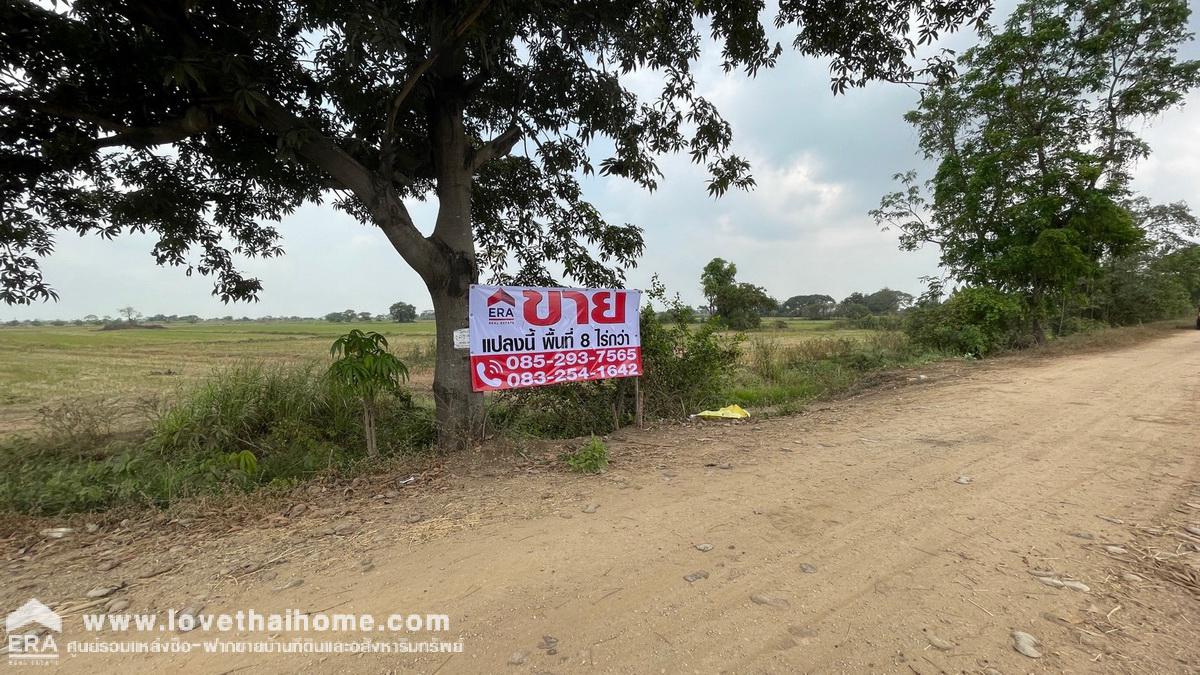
[43, 367]
[134, 370]
[1105, 339]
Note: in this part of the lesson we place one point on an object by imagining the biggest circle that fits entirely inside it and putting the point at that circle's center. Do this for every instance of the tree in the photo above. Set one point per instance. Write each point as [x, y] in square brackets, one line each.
[1161, 279]
[737, 305]
[853, 310]
[363, 364]
[887, 301]
[853, 306]
[809, 306]
[716, 278]
[236, 113]
[1138, 288]
[1035, 142]
[402, 312]
[1184, 264]
[677, 313]
[131, 315]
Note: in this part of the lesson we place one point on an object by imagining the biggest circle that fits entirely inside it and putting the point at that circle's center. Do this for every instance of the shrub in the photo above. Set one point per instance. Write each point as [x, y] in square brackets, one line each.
[564, 410]
[364, 367]
[289, 411]
[247, 405]
[79, 427]
[421, 353]
[1072, 325]
[880, 350]
[874, 322]
[974, 321]
[765, 358]
[591, 458]
[686, 367]
[245, 427]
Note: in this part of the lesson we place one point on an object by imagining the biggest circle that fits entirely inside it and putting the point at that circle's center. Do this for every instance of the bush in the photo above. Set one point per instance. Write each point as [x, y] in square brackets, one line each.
[874, 322]
[245, 427]
[591, 458]
[855, 311]
[286, 411]
[80, 427]
[564, 410]
[686, 367]
[1073, 325]
[973, 321]
[423, 353]
[766, 358]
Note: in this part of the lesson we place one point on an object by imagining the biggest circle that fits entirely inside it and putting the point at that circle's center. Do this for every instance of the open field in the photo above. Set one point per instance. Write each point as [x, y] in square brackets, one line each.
[43, 365]
[909, 530]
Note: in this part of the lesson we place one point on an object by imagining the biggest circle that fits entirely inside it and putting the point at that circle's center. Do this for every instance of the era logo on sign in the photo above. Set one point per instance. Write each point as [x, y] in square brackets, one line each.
[29, 635]
[501, 307]
[605, 307]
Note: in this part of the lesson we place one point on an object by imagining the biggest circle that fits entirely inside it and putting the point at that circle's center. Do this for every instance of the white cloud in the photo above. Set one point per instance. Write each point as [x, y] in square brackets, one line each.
[1172, 172]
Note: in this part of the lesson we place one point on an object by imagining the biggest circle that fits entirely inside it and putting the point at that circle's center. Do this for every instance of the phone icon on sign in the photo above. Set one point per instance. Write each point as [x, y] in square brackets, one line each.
[489, 381]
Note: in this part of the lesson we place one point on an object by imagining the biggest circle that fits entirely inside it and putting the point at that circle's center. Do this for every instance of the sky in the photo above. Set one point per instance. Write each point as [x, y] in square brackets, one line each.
[821, 163]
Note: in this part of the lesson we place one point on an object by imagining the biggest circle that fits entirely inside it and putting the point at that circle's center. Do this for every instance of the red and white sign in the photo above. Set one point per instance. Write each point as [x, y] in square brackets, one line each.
[522, 336]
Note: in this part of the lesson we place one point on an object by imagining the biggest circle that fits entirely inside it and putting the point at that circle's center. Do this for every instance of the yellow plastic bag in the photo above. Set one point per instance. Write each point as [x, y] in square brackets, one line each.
[729, 412]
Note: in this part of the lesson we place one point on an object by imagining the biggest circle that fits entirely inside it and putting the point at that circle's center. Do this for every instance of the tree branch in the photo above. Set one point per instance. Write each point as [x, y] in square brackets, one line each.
[379, 196]
[57, 110]
[497, 147]
[424, 66]
[171, 131]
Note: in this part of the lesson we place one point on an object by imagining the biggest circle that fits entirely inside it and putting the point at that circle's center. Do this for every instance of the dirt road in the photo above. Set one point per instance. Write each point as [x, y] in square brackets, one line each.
[900, 531]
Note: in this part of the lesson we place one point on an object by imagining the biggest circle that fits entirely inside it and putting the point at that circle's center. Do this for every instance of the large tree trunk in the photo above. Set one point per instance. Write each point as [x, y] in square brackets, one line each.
[445, 259]
[459, 410]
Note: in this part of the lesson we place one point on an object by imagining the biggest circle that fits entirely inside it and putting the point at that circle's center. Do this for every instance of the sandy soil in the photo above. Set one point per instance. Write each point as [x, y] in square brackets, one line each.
[904, 530]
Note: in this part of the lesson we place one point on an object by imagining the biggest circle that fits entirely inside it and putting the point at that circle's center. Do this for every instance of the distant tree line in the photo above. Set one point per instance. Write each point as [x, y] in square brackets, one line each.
[400, 312]
[741, 305]
[854, 306]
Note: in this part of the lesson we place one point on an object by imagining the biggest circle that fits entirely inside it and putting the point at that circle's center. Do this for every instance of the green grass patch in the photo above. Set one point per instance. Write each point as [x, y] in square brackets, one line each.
[591, 458]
